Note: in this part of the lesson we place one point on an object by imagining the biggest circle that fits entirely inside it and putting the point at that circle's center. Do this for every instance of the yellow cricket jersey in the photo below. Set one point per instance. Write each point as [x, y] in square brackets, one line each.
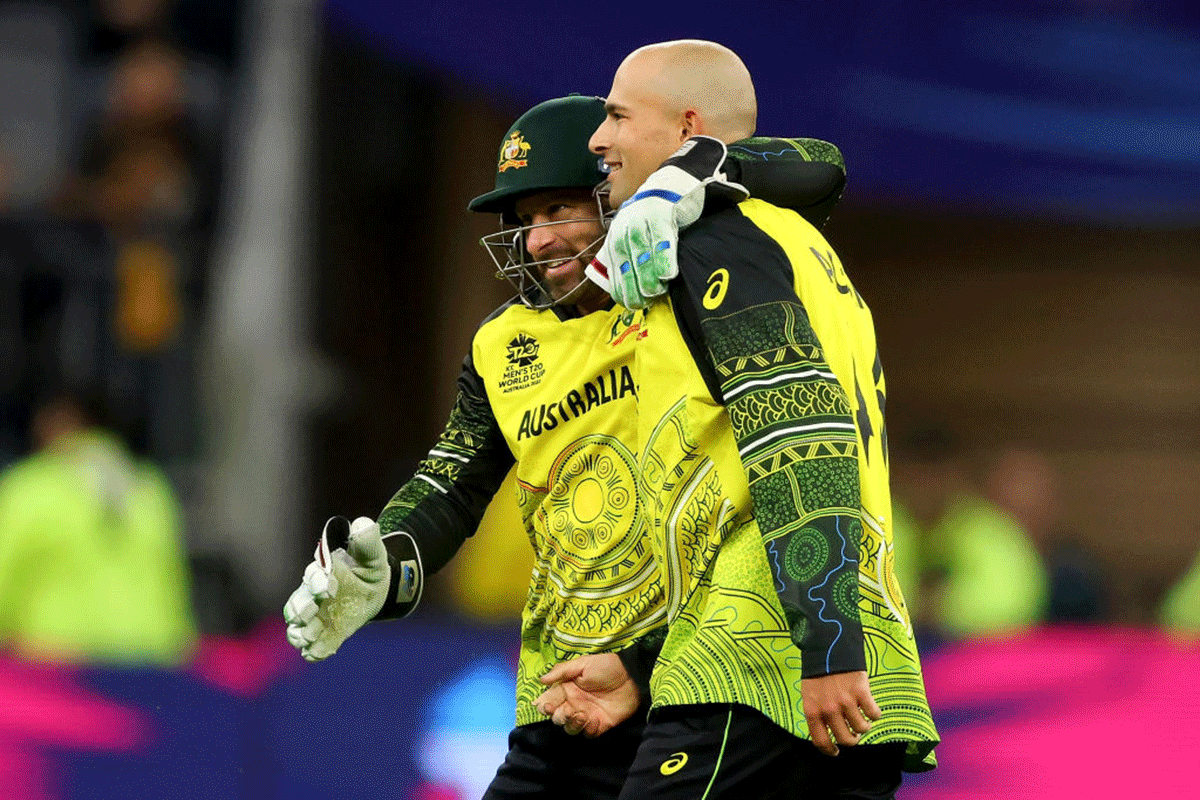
[556, 395]
[764, 469]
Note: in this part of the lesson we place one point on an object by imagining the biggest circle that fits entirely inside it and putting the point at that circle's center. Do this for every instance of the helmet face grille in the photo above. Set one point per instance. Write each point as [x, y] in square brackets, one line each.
[513, 262]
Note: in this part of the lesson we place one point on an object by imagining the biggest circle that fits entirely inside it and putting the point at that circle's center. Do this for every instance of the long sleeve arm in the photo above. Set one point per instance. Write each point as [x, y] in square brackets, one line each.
[805, 175]
[431, 515]
[793, 425]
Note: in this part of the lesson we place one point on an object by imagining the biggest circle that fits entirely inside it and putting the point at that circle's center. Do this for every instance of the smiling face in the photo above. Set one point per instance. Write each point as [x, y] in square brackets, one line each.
[643, 128]
[661, 95]
[562, 232]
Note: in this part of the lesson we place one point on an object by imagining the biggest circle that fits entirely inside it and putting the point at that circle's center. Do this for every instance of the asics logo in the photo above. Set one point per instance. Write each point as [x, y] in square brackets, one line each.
[718, 284]
[673, 764]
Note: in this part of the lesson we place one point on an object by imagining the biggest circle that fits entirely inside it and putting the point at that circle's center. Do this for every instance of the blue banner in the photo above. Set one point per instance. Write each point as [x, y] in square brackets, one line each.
[1065, 109]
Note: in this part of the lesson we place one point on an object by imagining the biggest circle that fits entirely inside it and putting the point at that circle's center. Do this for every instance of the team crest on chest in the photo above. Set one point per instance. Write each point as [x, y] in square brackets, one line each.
[523, 369]
[629, 323]
[514, 152]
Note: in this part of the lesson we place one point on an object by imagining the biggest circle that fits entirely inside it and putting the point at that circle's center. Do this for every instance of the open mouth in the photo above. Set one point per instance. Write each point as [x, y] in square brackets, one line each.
[558, 269]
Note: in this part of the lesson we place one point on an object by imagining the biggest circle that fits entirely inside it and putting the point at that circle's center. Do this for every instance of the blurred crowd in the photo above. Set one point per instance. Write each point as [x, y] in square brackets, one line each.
[111, 160]
[983, 547]
[115, 114]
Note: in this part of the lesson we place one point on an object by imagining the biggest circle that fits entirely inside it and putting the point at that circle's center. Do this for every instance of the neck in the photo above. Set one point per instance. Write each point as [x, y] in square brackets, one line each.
[589, 304]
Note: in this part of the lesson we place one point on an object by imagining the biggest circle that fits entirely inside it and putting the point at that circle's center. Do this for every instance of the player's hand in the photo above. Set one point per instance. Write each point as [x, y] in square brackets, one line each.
[343, 588]
[639, 254]
[840, 703]
[589, 695]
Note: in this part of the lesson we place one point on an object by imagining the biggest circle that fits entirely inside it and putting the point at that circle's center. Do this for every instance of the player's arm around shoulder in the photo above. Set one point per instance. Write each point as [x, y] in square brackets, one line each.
[803, 174]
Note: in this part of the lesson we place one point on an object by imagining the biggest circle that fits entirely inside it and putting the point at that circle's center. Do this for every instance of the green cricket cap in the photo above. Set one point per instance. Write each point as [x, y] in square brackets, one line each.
[547, 148]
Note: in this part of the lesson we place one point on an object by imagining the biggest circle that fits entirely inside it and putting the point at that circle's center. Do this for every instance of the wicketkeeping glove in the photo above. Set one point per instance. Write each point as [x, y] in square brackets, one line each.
[639, 254]
[344, 587]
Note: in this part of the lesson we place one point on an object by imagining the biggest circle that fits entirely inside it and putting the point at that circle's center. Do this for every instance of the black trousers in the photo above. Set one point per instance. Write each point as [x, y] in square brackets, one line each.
[734, 752]
[545, 762]
[702, 752]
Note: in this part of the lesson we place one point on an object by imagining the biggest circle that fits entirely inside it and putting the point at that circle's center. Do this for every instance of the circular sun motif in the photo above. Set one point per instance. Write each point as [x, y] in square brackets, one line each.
[592, 503]
[845, 594]
[587, 501]
[807, 554]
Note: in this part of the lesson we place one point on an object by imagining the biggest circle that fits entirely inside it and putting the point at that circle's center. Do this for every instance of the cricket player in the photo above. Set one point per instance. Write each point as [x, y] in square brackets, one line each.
[763, 457]
[548, 387]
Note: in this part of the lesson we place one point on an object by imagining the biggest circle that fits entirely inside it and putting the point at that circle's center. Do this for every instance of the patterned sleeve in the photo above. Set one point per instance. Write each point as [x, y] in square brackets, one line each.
[443, 503]
[805, 175]
[793, 424]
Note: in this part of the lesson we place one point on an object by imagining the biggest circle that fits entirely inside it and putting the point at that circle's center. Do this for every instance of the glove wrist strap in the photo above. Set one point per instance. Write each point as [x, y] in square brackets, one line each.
[406, 581]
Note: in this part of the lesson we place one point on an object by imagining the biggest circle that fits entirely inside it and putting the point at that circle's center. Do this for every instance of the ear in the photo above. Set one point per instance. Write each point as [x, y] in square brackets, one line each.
[690, 125]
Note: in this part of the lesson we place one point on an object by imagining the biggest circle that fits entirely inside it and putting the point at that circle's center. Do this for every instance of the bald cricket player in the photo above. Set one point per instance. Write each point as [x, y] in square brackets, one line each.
[789, 667]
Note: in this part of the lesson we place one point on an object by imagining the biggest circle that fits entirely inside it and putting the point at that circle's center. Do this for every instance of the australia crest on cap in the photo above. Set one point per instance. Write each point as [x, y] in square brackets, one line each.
[513, 152]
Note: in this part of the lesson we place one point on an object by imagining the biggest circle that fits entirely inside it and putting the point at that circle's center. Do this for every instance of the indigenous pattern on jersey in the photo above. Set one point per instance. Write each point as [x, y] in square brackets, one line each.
[805, 175]
[764, 466]
[766, 148]
[557, 395]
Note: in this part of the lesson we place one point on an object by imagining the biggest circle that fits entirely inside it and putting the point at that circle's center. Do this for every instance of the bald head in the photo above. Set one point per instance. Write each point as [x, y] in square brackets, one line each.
[661, 95]
[705, 78]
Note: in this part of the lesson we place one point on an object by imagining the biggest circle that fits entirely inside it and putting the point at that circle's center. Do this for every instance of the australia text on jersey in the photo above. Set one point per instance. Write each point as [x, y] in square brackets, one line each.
[602, 389]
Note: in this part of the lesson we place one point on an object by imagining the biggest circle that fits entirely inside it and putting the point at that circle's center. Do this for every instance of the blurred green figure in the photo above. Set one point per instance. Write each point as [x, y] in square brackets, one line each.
[967, 567]
[92, 567]
[981, 574]
[1180, 611]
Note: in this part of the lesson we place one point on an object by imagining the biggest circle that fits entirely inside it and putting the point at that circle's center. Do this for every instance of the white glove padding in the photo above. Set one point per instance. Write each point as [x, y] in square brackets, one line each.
[343, 588]
[639, 254]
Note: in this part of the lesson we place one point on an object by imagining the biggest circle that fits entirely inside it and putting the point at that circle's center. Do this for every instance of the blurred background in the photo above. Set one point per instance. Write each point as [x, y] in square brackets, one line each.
[238, 278]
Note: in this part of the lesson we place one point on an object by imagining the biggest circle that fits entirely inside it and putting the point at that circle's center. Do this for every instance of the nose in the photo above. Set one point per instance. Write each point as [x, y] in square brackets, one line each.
[538, 239]
[601, 139]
